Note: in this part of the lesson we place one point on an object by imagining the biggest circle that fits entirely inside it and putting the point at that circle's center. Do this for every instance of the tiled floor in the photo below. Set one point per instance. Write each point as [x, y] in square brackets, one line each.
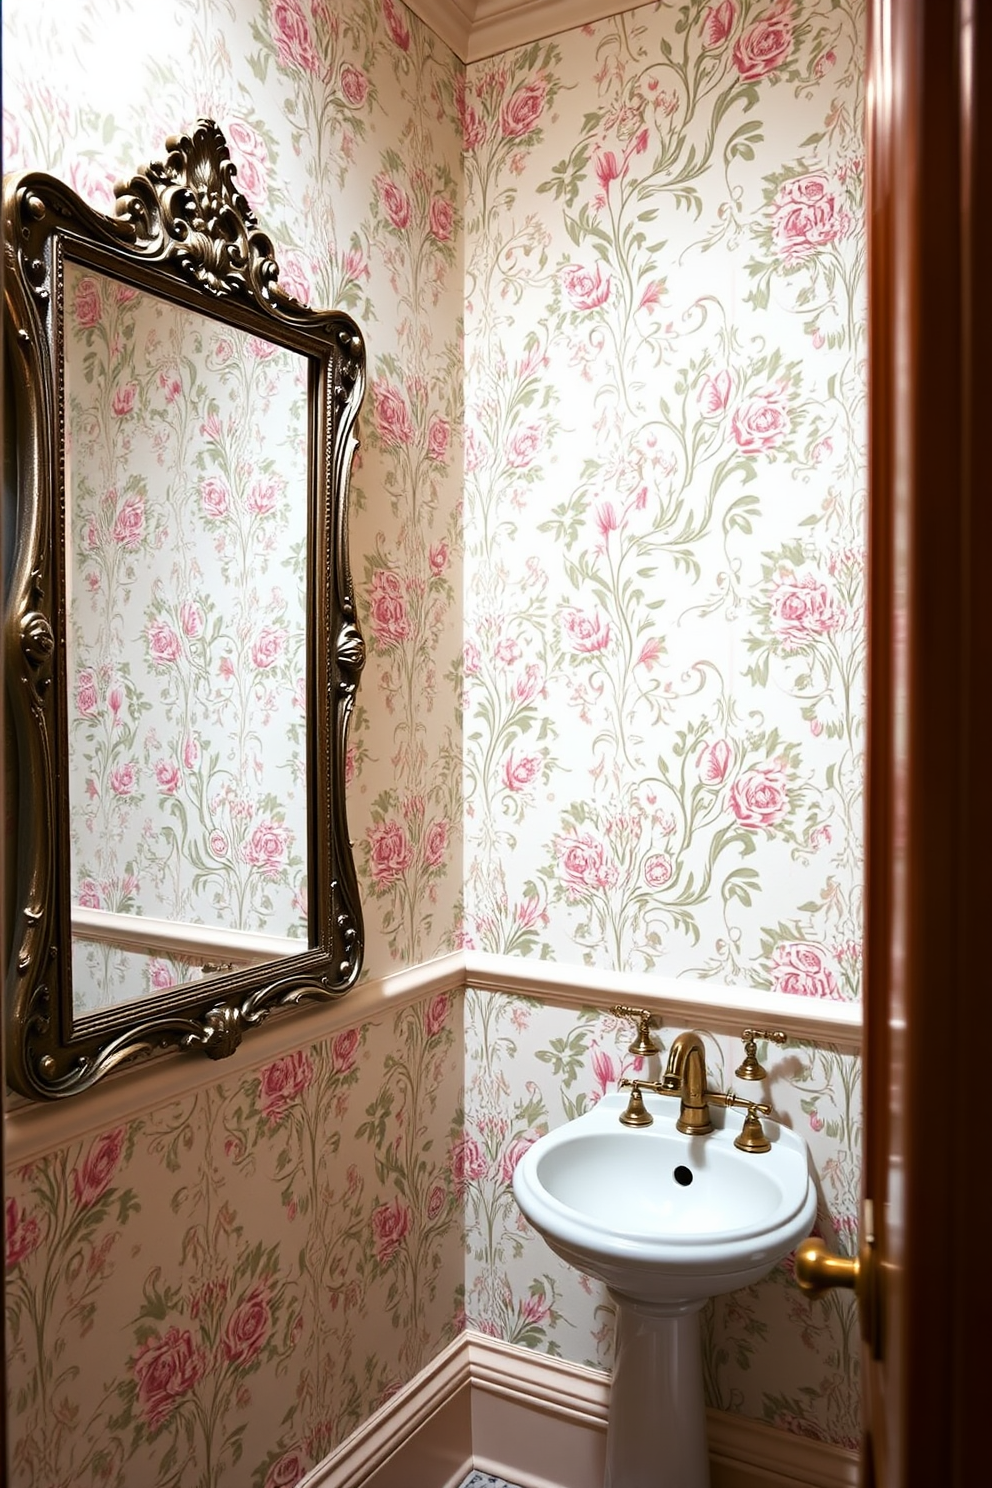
[485, 1480]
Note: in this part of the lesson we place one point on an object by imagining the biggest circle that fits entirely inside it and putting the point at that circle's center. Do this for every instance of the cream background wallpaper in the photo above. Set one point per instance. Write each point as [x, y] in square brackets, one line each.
[625, 608]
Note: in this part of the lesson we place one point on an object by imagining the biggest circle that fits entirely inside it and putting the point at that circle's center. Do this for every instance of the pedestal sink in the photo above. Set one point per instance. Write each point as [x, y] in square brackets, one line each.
[666, 1221]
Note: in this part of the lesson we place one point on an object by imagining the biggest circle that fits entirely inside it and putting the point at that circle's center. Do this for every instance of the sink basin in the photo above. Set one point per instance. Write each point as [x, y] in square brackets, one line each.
[662, 1217]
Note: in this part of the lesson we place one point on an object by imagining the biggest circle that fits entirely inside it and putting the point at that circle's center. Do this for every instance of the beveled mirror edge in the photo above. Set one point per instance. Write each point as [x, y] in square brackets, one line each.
[184, 232]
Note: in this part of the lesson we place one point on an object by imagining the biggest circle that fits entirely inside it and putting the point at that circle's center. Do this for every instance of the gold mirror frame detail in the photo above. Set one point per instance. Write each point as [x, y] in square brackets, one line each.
[185, 234]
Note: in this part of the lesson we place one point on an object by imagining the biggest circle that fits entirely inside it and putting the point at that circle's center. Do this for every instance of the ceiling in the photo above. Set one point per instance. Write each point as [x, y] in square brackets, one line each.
[480, 28]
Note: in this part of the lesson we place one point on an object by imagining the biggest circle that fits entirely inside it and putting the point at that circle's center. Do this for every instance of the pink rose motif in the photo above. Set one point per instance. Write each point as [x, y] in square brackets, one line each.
[760, 424]
[760, 797]
[521, 112]
[123, 779]
[262, 498]
[123, 400]
[87, 700]
[396, 25]
[390, 853]
[215, 498]
[441, 218]
[658, 870]
[804, 969]
[436, 1014]
[529, 684]
[514, 1152]
[387, 609]
[252, 160]
[714, 395]
[191, 752]
[435, 1201]
[518, 774]
[390, 1223]
[713, 761]
[287, 1470]
[586, 634]
[471, 659]
[354, 85]
[586, 288]
[191, 619]
[166, 1369]
[88, 307]
[218, 844]
[248, 1327]
[268, 646]
[438, 558]
[584, 862]
[344, 1051]
[525, 445]
[766, 45]
[160, 978]
[605, 1070]
[438, 436]
[282, 1082]
[168, 777]
[267, 848]
[801, 610]
[805, 218]
[23, 1234]
[89, 895]
[507, 651]
[473, 127]
[718, 22]
[392, 417]
[436, 843]
[164, 644]
[92, 1178]
[468, 1162]
[291, 35]
[395, 203]
[294, 277]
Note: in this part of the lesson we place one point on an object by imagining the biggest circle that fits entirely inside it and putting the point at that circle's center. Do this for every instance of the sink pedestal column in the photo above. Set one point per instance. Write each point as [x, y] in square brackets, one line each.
[656, 1435]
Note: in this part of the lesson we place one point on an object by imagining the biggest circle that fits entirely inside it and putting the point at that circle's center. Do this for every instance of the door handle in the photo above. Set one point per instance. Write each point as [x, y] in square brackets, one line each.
[818, 1269]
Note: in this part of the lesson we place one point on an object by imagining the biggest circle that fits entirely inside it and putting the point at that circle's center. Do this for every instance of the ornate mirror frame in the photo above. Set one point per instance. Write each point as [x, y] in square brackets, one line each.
[185, 234]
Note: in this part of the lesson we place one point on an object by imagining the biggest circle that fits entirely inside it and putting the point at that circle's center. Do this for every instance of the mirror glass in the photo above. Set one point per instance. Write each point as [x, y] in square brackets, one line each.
[186, 583]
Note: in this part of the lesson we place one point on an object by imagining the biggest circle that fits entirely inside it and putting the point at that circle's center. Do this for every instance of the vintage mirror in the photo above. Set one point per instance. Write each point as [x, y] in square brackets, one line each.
[181, 647]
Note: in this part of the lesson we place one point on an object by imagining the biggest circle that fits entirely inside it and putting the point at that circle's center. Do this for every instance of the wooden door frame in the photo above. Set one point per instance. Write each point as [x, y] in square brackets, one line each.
[928, 1002]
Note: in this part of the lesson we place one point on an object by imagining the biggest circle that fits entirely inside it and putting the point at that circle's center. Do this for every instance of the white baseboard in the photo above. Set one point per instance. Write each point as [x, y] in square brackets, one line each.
[541, 1423]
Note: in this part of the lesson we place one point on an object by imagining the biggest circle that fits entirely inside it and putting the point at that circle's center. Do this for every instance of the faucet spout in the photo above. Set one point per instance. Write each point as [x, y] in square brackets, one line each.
[685, 1076]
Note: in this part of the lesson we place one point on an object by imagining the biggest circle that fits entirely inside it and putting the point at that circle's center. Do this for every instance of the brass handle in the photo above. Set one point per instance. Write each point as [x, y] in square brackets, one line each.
[643, 1043]
[818, 1269]
[750, 1067]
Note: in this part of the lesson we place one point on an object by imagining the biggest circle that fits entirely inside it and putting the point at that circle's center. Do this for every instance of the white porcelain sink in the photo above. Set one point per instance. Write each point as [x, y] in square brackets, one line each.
[662, 1217]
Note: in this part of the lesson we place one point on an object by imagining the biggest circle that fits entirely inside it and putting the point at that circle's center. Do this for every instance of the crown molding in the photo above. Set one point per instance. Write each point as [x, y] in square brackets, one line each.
[475, 29]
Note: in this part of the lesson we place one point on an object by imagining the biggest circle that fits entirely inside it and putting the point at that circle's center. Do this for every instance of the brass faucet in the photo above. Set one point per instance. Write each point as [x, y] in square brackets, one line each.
[685, 1076]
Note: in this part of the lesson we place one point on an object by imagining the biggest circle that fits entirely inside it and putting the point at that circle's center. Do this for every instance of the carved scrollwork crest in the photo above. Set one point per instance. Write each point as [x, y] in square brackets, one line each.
[188, 208]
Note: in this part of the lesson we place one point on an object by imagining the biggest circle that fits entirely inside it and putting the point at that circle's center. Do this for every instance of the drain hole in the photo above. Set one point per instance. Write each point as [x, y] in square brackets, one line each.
[683, 1176]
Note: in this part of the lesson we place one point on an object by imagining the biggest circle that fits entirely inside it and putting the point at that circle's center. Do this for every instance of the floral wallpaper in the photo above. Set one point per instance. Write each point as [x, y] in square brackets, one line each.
[222, 1289]
[187, 619]
[645, 685]
[343, 126]
[665, 474]
[767, 1352]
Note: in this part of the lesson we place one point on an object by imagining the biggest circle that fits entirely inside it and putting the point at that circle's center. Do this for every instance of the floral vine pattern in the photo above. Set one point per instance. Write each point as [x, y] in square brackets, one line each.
[187, 619]
[219, 1285]
[665, 455]
[768, 1352]
[659, 222]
